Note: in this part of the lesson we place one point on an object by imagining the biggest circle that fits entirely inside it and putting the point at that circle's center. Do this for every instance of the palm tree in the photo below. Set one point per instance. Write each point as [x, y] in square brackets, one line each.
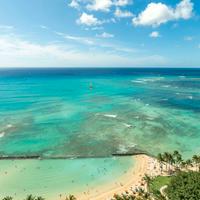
[70, 197]
[198, 161]
[147, 179]
[30, 197]
[195, 159]
[176, 153]
[40, 198]
[158, 196]
[178, 161]
[125, 196]
[183, 164]
[142, 195]
[160, 160]
[7, 198]
[132, 197]
[177, 158]
[188, 163]
[117, 197]
[171, 161]
[146, 196]
[141, 192]
[167, 159]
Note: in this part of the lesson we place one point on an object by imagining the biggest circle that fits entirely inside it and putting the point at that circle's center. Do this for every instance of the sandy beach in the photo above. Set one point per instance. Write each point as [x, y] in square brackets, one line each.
[131, 180]
[34, 173]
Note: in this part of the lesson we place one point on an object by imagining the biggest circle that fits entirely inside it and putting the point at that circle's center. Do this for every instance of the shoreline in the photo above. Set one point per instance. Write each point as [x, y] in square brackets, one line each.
[131, 178]
[144, 164]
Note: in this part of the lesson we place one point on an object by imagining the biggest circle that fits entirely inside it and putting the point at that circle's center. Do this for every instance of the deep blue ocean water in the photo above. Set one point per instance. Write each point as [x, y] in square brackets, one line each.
[99, 112]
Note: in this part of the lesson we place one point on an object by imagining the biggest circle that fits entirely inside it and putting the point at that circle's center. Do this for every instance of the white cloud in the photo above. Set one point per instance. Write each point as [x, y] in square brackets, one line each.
[96, 28]
[17, 52]
[110, 20]
[98, 43]
[117, 48]
[105, 35]
[89, 20]
[122, 14]
[6, 28]
[122, 2]
[184, 10]
[102, 5]
[154, 34]
[43, 27]
[105, 5]
[83, 40]
[74, 4]
[188, 38]
[156, 14]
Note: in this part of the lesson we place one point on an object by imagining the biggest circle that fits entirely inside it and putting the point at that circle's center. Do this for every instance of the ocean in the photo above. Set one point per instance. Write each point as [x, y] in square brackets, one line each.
[99, 112]
[88, 115]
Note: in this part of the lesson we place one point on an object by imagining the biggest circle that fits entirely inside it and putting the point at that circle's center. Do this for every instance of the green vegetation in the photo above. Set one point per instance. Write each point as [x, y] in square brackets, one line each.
[70, 197]
[139, 194]
[157, 182]
[31, 197]
[174, 162]
[147, 180]
[183, 186]
[181, 181]
[7, 198]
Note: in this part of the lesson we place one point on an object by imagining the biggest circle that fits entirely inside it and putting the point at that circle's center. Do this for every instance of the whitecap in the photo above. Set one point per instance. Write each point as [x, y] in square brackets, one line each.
[127, 125]
[166, 86]
[9, 125]
[164, 99]
[131, 145]
[110, 115]
[145, 80]
[125, 148]
[122, 149]
[150, 118]
[138, 81]
[2, 134]
[138, 99]
[190, 97]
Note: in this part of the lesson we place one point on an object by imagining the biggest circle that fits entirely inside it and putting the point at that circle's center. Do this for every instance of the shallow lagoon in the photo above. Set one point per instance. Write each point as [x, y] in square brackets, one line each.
[50, 178]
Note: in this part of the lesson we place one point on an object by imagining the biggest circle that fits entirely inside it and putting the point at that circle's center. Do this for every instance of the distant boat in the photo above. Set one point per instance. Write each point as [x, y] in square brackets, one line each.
[91, 86]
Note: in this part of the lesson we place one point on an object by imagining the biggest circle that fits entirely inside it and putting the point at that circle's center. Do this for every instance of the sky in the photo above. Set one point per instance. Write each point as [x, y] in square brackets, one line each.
[100, 33]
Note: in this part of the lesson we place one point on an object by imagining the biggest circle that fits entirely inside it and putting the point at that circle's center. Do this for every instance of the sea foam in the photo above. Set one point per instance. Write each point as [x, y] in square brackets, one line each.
[190, 97]
[9, 126]
[127, 125]
[110, 115]
[2, 134]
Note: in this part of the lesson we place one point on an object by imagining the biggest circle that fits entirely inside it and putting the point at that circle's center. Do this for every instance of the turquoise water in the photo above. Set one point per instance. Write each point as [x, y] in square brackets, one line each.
[50, 178]
[99, 112]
